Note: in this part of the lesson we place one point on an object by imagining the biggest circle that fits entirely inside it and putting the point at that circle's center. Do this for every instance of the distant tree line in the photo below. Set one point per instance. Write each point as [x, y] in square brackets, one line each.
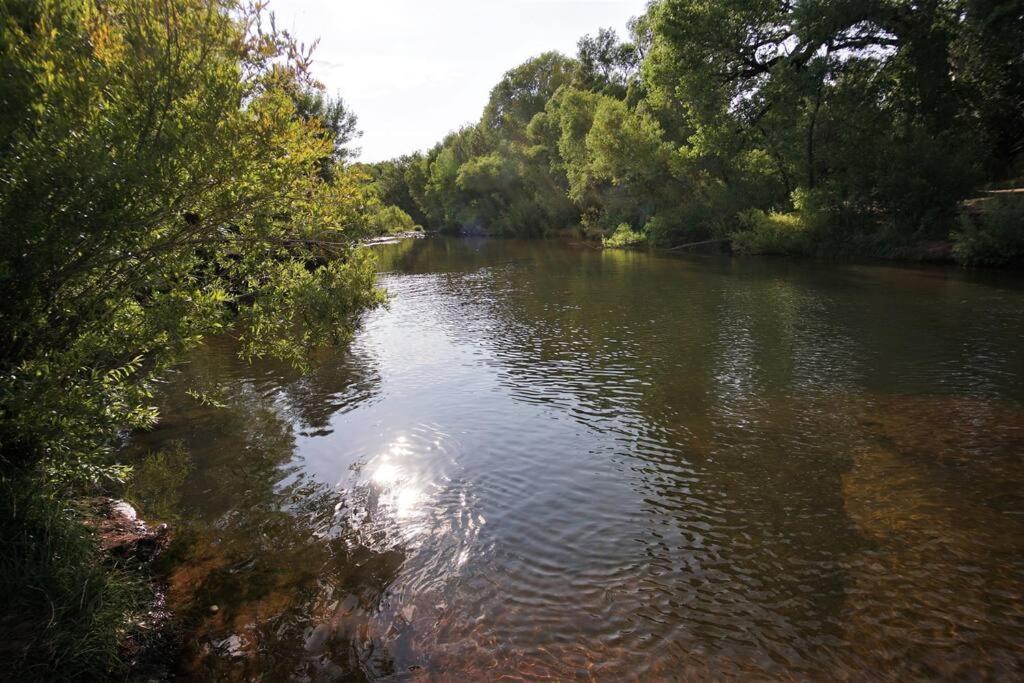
[841, 127]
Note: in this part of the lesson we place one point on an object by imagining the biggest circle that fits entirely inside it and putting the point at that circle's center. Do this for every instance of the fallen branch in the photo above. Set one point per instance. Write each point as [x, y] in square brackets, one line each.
[698, 244]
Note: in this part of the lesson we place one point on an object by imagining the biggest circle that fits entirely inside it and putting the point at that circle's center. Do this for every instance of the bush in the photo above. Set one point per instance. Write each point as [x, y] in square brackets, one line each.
[771, 233]
[164, 178]
[689, 223]
[389, 219]
[993, 236]
[624, 236]
[159, 185]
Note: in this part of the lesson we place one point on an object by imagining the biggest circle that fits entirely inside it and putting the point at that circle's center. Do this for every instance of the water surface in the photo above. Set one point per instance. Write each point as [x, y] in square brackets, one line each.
[547, 461]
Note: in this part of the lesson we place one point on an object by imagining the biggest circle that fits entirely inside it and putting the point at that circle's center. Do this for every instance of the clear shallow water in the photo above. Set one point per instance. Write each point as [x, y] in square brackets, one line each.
[543, 461]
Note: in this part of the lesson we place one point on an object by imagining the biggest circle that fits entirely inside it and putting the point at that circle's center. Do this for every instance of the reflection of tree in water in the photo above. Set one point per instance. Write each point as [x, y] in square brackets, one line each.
[796, 508]
[399, 256]
[340, 380]
[262, 552]
[745, 517]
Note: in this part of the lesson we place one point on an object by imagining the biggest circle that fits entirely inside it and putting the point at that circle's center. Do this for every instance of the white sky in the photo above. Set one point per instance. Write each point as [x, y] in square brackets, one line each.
[413, 71]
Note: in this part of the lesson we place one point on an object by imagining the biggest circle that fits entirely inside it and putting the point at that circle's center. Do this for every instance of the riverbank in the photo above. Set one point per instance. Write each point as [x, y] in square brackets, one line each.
[988, 231]
[79, 598]
[930, 252]
[925, 252]
[392, 238]
[149, 645]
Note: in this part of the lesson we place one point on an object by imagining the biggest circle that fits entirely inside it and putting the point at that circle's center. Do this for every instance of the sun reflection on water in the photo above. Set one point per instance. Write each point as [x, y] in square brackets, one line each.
[399, 478]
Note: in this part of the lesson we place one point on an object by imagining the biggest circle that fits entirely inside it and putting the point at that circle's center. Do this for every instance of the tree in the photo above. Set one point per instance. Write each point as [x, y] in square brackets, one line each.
[861, 121]
[523, 93]
[160, 185]
[336, 120]
[392, 187]
[605, 64]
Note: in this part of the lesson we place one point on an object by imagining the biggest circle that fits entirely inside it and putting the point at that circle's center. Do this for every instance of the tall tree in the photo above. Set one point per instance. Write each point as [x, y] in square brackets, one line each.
[160, 184]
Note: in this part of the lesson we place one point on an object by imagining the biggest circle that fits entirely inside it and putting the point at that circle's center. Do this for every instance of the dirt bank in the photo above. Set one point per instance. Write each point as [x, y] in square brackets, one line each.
[151, 640]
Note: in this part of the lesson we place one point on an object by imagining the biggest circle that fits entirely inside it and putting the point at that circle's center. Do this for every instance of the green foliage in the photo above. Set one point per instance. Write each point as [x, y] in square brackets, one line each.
[388, 219]
[771, 233]
[336, 121]
[604, 64]
[393, 182]
[626, 148]
[170, 171]
[993, 236]
[887, 114]
[574, 111]
[691, 222]
[157, 481]
[523, 92]
[624, 236]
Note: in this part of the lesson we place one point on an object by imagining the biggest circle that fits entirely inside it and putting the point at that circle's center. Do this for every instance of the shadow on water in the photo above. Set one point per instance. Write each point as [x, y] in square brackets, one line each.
[548, 461]
[266, 573]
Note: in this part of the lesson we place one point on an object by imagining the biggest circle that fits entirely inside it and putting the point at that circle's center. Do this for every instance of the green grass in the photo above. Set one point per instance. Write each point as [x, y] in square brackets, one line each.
[63, 608]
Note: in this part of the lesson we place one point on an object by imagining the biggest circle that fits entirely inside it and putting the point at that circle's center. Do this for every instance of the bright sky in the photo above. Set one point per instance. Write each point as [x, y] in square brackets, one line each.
[415, 70]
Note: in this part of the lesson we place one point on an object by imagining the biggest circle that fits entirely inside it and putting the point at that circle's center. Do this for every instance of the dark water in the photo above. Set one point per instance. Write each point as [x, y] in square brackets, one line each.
[552, 462]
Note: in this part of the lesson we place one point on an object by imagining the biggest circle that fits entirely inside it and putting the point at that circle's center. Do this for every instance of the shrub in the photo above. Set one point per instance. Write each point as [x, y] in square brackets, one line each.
[689, 223]
[771, 233]
[163, 180]
[993, 236]
[389, 219]
[624, 236]
[160, 184]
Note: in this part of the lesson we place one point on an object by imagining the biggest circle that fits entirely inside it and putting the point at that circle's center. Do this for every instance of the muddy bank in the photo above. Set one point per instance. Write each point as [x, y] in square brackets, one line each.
[151, 640]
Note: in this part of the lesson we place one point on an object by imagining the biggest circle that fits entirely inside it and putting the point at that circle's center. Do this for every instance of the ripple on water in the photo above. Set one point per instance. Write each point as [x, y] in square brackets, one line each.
[541, 463]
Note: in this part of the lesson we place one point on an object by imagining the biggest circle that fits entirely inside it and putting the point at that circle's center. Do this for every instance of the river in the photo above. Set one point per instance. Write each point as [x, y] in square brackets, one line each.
[550, 461]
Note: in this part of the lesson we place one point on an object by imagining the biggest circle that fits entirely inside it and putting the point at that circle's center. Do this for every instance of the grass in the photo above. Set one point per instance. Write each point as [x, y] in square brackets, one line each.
[63, 608]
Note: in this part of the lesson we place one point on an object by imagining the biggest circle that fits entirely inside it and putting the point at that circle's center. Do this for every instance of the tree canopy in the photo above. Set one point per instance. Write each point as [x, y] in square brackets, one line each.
[169, 171]
[865, 121]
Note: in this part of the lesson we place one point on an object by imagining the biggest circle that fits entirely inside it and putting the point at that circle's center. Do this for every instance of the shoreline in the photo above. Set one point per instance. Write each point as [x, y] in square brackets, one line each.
[393, 238]
[937, 253]
[150, 640]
